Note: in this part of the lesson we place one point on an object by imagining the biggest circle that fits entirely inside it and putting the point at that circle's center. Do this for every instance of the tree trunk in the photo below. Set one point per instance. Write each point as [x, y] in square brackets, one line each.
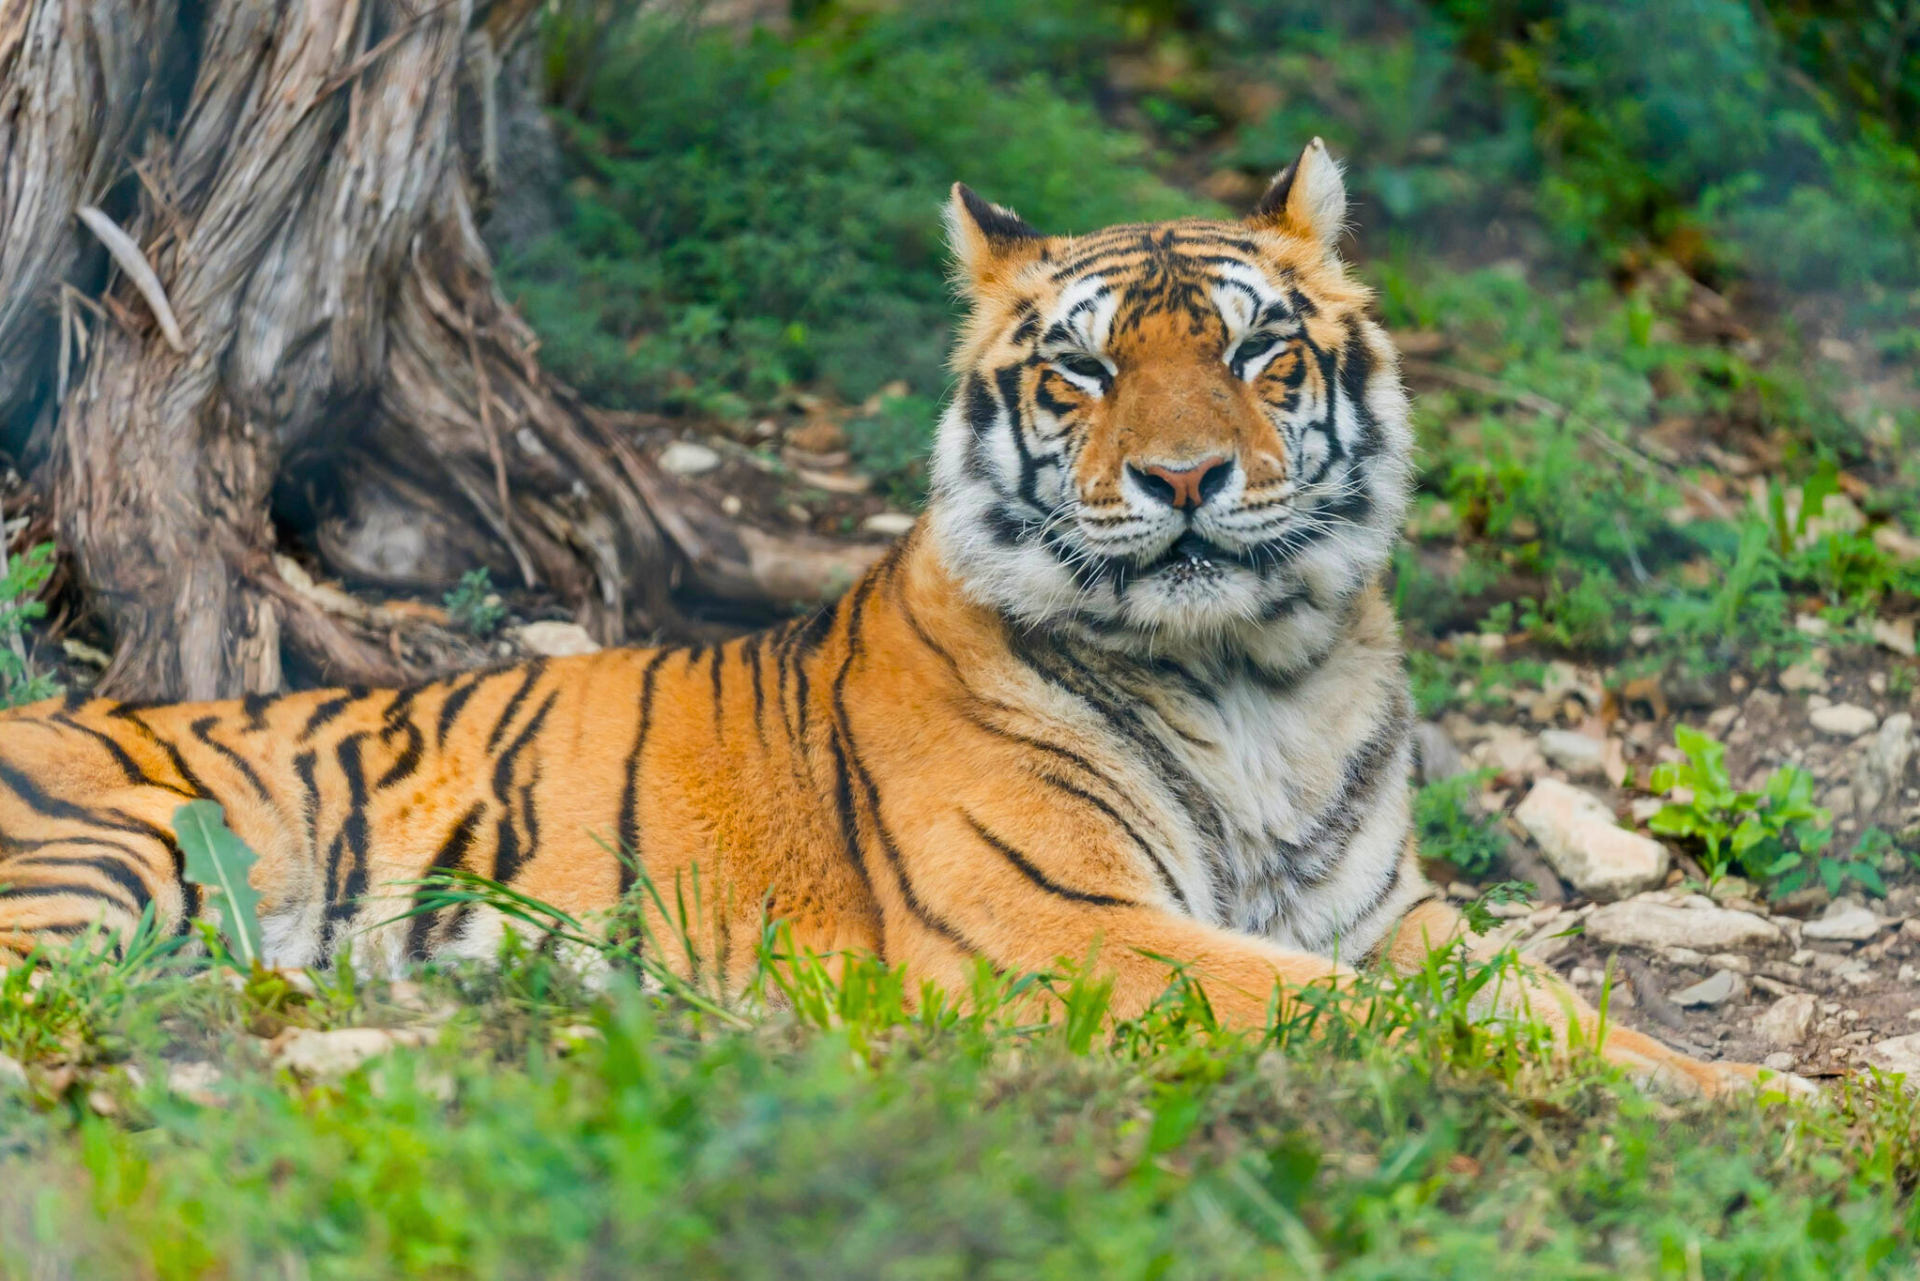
[319, 332]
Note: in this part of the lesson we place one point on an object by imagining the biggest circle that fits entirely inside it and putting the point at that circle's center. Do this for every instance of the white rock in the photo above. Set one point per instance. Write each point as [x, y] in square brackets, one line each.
[1843, 922]
[1579, 755]
[1843, 720]
[1803, 677]
[688, 458]
[552, 639]
[1716, 989]
[1788, 1021]
[1731, 961]
[1897, 1054]
[1510, 751]
[1883, 766]
[1682, 956]
[1895, 634]
[1779, 1062]
[318, 1054]
[888, 524]
[1638, 923]
[1581, 841]
[1896, 542]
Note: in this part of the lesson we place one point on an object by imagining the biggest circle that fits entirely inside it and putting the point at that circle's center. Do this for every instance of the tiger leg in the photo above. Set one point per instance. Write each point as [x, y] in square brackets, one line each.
[1139, 949]
[55, 889]
[1541, 995]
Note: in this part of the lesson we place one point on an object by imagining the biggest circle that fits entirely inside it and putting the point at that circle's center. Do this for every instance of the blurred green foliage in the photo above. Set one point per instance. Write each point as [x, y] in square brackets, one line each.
[1543, 189]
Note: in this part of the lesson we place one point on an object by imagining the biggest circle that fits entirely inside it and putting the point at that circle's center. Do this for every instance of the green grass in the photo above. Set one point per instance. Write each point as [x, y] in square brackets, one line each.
[555, 1127]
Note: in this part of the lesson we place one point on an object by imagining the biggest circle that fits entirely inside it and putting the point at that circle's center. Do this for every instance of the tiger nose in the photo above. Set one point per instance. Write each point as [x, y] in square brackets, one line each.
[1185, 487]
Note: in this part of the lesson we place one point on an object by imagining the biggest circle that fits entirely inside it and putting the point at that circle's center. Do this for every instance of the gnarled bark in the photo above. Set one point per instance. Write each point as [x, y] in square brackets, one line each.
[307, 217]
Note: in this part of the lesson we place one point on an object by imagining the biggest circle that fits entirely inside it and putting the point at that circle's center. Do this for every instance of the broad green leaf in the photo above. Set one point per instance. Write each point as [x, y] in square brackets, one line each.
[219, 861]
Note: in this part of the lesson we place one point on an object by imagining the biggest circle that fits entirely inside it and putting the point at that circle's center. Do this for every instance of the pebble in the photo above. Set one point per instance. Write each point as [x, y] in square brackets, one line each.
[1577, 754]
[1683, 956]
[1779, 1062]
[1716, 989]
[1843, 922]
[320, 1054]
[1802, 678]
[1883, 766]
[688, 458]
[1636, 923]
[1895, 634]
[552, 639]
[1899, 1054]
[1734, 961]
[1577, 834]
[1788, 1021]
[1843, 720]
[887, 524]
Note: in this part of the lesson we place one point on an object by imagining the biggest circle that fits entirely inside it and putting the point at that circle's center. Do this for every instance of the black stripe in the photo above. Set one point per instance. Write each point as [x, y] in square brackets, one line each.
[202, 729]
[530, 675]
[114, 869]
[451, 705]
[407, 763]
[869, 791]
[753, 648]
[1159, 866]
[629, 827]
[713, 678]
[351, 842]
[303, 768]
[1040, 878]
[126, 712]
[325, 712]
[453, 853]
[255, 706]
[129, 768]
[509, 854]
[49, 806]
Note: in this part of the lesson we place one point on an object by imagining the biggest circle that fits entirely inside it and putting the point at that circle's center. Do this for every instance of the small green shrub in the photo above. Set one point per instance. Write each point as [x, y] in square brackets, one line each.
[474, 606]
[24, 577]
[1452, 827]
[1773, 835]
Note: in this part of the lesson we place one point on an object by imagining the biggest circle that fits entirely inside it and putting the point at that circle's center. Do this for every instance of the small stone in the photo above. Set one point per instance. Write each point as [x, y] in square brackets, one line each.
[1802, 678]
[1510, 751]
[1644, 634]
[1859, 978]
[1638, 923]
[1900, 1054]
[1788, 1021]
[731, 504]
[1734, 961]
[553, 639]
[1843, 922]
[1895, 634]
[1716, 989]
[1810, 624]
[1779, 1061]
[1843, 720]
[312, 1053]
[1683, 956]
[1883, 766]
[887, 524]
[1579, 838]
[1577, 754]
[1896, 542]
[688, 458]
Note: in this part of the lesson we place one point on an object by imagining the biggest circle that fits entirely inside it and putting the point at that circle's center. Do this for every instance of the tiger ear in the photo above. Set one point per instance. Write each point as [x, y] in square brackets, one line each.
[1308, 197]
[988, 240]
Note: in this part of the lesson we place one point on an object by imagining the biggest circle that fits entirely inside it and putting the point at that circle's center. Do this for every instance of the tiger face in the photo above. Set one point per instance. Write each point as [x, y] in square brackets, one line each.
[1172, 435]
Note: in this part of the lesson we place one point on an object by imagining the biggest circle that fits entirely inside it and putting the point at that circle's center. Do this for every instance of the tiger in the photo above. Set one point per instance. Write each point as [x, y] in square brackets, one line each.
[1130, 693]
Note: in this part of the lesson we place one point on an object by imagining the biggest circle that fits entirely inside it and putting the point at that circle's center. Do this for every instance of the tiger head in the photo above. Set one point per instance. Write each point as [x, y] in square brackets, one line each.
[1173, 434]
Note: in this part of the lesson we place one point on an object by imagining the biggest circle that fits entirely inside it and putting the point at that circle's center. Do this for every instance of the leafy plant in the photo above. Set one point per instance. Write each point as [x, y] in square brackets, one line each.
[22, 580]
[1479, 914]
[218, 861]
[474, 606]
[1766, 835]
[1452, 828]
